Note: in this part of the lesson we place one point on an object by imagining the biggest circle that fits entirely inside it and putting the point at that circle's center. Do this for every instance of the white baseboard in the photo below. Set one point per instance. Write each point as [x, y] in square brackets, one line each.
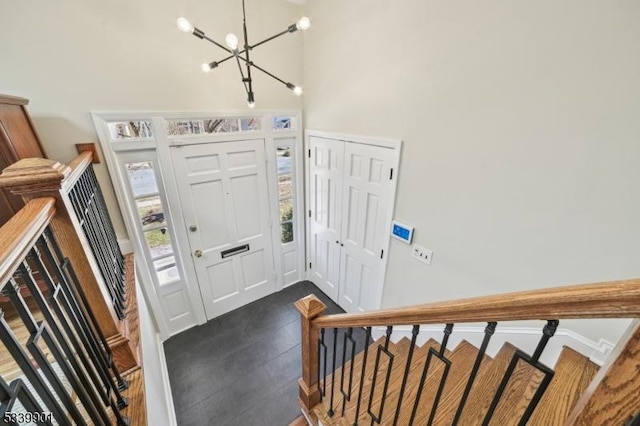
[165, 381]
[125, 246]
[525, 338]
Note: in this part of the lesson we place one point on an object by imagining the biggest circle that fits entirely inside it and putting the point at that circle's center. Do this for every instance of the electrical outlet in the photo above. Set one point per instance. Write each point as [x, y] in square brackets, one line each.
[421, 253]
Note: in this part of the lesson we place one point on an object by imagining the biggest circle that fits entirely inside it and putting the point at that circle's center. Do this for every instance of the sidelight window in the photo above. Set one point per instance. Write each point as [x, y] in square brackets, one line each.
[285, 193]
[151, 216]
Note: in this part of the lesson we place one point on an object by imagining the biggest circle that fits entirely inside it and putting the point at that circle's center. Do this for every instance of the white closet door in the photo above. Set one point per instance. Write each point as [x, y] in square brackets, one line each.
[325, 197]
[366, 196]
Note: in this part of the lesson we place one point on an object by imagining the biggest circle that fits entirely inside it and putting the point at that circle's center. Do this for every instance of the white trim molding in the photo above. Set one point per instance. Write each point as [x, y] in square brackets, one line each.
[525, 338]
[125, 246]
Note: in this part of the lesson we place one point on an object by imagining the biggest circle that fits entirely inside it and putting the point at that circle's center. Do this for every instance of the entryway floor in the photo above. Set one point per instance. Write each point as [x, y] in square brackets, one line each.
[242, 368]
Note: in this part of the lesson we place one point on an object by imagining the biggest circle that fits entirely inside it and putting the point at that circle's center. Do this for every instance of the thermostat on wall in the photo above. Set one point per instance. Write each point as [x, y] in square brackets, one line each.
[401, 231]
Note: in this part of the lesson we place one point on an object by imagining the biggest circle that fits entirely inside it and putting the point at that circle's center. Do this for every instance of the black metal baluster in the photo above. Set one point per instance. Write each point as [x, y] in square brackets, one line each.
[36, 332]
[23, 360]
[381, 349]
[448, 329]
[97, 343]
[333, 371]
[83, 328]
[18, 391]
[407, 368]
[322, 347]
[81, 199]
[367, 342]
[548, 332]
[90, 208]
[94, 334]
[488, 332]
[346, 396]
[80, 384]
[96, 228]
[60, 304]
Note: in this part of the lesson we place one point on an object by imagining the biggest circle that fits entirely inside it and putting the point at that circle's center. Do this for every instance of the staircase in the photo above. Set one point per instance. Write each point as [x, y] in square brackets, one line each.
[393, 380]
[574, 372]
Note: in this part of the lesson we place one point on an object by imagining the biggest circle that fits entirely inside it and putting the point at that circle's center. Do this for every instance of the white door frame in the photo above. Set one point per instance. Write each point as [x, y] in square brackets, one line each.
[160, 143]
[396, 146]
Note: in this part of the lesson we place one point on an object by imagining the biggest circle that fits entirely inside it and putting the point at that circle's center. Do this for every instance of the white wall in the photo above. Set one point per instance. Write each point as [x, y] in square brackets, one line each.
[521, 129]
[160, 409]
[71, 57]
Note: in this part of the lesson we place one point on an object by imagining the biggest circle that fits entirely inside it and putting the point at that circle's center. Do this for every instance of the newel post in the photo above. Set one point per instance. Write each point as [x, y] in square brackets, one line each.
[310, 308]
[38, 177]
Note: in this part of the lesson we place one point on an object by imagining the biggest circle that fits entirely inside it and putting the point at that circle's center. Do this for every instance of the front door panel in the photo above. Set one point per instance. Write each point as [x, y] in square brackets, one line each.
[223, 191]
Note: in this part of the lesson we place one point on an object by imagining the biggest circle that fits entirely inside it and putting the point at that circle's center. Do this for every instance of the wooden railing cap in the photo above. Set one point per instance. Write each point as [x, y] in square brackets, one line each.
[310, 306]
[31, 175]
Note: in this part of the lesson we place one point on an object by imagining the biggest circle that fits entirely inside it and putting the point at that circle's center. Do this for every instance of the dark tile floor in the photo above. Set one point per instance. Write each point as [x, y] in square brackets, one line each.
[242, 368]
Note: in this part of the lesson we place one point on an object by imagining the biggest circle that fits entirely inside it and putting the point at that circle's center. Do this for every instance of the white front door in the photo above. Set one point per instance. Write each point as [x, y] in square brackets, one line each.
[224, 200]
[366, 194]
[325, 196]
[349, 197]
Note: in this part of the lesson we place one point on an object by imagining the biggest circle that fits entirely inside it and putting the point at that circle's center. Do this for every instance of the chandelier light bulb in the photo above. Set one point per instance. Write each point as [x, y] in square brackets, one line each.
[205, 68]
[251, 104]
[184, 25]
[232, 41]
[297, 90]
[303, 23]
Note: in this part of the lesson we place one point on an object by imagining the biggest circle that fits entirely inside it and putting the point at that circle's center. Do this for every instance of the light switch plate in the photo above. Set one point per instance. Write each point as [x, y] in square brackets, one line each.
[422, 254]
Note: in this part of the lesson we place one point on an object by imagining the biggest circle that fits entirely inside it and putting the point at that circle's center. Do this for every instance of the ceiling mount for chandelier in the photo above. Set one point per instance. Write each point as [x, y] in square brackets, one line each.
[241, 53]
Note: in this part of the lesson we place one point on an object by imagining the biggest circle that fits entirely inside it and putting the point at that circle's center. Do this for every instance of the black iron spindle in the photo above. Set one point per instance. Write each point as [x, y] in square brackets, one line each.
[81, 386]
[346, 395]
[488, 332]
[87, 318]
[91, 210]
[534, 361]
[331, 412]
[18, 392]
[382, 349]
[367, 342]
[38, 332]
[322, 359]
[407, 369]
[448, 329]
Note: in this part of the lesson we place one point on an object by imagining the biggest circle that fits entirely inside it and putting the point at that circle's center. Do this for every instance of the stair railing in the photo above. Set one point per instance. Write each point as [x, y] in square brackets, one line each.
[611, 398]
[85, 234]
[56, 363]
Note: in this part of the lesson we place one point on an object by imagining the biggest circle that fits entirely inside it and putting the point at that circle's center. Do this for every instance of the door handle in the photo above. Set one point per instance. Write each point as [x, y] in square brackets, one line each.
[198, 253]
[193, 228]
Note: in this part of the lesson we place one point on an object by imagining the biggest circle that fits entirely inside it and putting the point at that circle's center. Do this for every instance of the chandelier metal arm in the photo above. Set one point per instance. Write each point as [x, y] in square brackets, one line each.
[287, 31]
[246, 52]
[210, 40]
[271, 75]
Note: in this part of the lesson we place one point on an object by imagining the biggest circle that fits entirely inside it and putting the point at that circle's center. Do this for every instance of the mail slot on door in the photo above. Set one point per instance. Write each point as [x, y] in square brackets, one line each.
[234, 251]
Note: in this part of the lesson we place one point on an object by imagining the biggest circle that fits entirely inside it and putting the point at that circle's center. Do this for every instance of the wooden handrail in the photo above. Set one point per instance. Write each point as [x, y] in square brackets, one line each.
[77, 166]
[21, 232]
[613, 299]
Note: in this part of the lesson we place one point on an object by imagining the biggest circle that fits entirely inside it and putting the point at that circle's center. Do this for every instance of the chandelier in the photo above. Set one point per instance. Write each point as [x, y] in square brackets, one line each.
[241, 54]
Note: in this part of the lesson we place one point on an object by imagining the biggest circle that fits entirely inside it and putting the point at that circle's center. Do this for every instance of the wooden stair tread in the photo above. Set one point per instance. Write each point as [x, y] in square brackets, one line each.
[453, 392]
[485, 387]
[400, 350]
[461, 359]
[573, 374]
